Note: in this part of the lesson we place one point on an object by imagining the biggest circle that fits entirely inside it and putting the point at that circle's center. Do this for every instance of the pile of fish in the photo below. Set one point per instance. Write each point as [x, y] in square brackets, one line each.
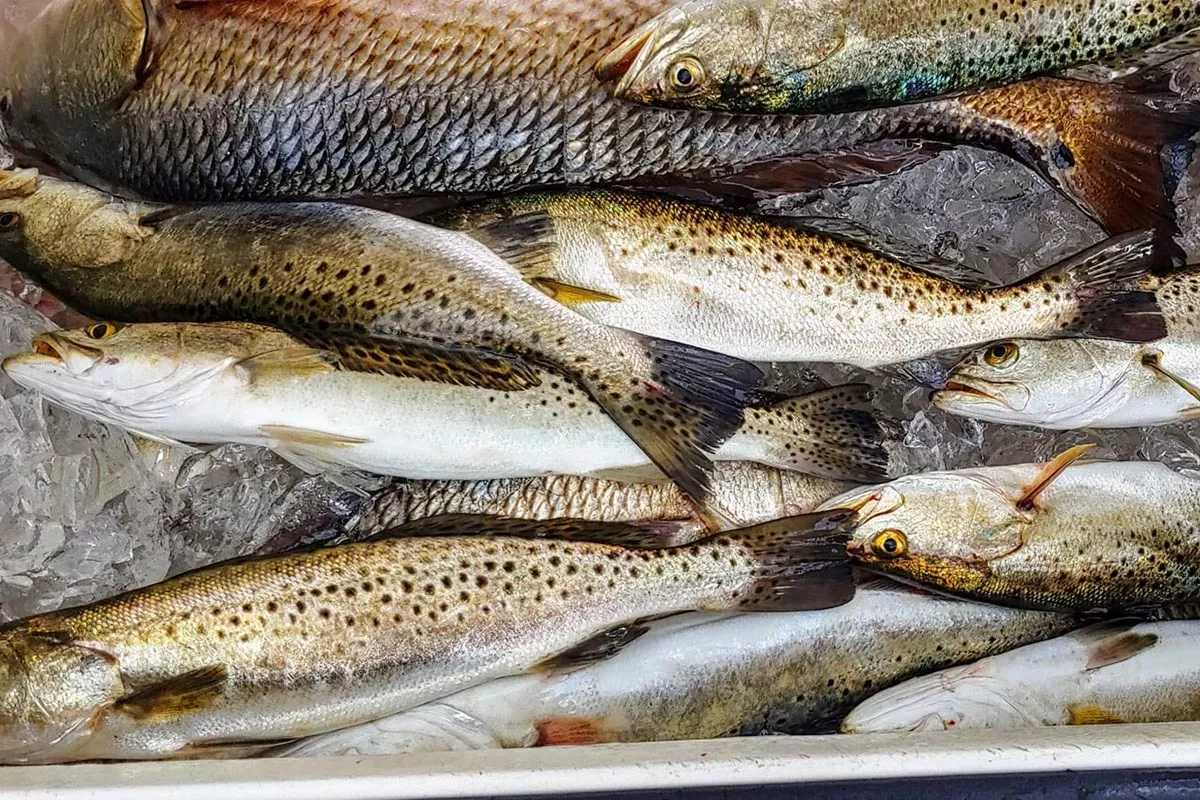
[605, 523]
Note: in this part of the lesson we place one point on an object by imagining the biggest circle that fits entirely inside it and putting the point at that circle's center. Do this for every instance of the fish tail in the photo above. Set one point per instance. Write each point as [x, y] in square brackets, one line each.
[677, 402]
[831, 434]
[1100, 144]
[1104, 279]
[800, 562]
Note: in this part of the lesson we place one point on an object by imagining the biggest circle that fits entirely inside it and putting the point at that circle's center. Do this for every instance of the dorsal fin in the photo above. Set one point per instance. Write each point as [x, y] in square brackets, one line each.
[910, 256]
[1028, 499]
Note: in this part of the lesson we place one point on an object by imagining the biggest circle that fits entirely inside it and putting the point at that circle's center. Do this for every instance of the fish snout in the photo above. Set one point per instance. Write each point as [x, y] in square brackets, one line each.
[75, 357]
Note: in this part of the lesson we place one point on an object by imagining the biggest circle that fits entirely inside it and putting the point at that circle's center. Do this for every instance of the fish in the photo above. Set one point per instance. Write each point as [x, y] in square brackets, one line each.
[778, 289]
[384, 293]
[743, 492]
[1066, 384]
[830, 56]
[1063, 536]
[223, 100]
[213, 383]
[1112, 672]
[701, 676]
[246, 655]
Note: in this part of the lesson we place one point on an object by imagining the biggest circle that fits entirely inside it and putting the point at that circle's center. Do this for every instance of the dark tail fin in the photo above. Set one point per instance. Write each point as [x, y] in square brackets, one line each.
[678, 402]
[801, 564]
[1104, 279]
[1103, 148]
[831, 434]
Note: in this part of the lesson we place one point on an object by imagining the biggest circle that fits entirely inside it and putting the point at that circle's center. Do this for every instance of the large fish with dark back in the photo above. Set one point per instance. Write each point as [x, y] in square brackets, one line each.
[290, 99]
[385, 293]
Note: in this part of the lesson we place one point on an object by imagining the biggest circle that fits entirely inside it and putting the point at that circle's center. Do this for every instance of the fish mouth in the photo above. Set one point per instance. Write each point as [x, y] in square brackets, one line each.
[958, 387]
[616, 65]
[64, 351]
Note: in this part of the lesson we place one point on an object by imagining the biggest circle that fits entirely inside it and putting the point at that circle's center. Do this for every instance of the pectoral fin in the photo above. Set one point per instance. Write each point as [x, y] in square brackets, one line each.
[1118, 648]
[570, 295]
[18, 183]
[288, 362]
[1153, 360]
[289, 436]
[189, 692]
[1028, 499]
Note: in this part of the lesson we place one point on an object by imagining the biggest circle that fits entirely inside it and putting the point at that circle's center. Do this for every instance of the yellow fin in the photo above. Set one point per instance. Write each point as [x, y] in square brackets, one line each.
[176, 696]
[1082, 714]
[306, 437]
[289, 362]
[1153, 360]
[1028, 498]
[570, 295]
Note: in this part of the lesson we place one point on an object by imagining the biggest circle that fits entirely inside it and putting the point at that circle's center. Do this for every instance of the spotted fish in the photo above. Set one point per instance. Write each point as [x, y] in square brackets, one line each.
[233, 658]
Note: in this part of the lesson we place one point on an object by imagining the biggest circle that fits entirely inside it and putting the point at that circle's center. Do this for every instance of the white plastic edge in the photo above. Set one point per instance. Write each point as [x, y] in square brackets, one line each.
[610, 768]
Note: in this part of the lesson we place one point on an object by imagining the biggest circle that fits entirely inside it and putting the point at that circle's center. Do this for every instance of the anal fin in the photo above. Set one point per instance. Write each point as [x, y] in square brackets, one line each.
[1087, 714]
[527, 241]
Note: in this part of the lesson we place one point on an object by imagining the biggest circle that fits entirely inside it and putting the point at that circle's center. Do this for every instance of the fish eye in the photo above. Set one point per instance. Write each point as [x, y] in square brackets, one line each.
[9, 220]
[6, 99]
[890, 543]
[102, 330]
[1002, 354]
[686, 74]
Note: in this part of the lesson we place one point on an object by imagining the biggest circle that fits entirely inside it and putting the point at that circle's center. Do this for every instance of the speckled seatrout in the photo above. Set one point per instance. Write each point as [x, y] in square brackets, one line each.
[210, 383]
[1064, 384]
[700, 676]
[742, 492]
[825, 56]
[769, 289]
[385, 293]
[1082, 537]
[243, 99]
[246, 653]
[1110, 672]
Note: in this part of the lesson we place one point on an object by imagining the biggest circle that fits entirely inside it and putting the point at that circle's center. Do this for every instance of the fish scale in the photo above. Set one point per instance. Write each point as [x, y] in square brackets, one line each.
[334, 98]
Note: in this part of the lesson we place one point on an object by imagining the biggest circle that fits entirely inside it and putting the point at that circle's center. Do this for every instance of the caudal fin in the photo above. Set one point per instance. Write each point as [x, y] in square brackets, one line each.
[677, 402]
[801, 562]
[1101, 144]
[831, 434]
[1104, 279]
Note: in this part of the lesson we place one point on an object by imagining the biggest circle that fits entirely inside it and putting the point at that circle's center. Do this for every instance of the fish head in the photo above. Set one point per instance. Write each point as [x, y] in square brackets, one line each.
[75, 57]
[1060, 384]
[50, 229]
[52, 694]
[939, 529]
[727, 55]
[131, 374]
[971, 696]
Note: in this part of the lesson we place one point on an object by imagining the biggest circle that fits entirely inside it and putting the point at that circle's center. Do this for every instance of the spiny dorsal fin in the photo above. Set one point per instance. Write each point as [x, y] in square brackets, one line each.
[189, 692]
[633, 535]
[602, 646]
[1118, 648]
[570, 295]
[527, 241]
[404, 357]
[906, 254]
[1028, 499]
[289, 362]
